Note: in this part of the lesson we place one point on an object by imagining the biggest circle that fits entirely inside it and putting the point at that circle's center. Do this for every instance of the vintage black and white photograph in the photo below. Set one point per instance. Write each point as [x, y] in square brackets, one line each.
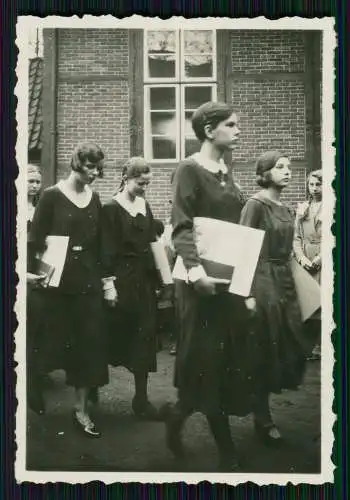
[175, 267]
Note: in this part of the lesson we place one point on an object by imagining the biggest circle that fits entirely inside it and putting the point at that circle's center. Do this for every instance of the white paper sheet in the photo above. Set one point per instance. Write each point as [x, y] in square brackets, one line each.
[162, 262]
[230, 244]
[308, 290]
[55, 255]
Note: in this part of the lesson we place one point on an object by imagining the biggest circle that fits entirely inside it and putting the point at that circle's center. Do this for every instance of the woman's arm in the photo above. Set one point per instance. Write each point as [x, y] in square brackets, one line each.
[251, 216]
[41, 226]
[185, 193]
[109, 236]
[298, 244]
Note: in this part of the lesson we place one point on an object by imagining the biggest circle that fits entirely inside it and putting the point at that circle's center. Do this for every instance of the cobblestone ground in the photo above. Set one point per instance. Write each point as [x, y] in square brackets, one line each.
[128, 444]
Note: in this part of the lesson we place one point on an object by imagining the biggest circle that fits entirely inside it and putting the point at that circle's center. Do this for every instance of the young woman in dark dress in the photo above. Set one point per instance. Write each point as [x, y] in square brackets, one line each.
[280, 349]
[71, 336]
[130, 281]
[34, 377]
[210, 371]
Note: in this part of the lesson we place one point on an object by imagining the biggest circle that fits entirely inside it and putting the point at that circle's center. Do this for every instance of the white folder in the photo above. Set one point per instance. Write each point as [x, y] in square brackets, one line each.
[230, 245]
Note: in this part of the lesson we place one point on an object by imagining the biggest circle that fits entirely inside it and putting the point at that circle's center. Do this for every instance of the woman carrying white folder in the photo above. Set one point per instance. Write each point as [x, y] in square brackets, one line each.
[279, 347]
[71, 336]
[210, 373]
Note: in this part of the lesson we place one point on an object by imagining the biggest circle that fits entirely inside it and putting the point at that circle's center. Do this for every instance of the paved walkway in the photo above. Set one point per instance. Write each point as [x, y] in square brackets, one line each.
[130, 445]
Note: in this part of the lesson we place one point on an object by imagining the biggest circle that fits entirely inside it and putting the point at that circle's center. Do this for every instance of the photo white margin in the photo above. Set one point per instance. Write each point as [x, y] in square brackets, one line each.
[326, 24]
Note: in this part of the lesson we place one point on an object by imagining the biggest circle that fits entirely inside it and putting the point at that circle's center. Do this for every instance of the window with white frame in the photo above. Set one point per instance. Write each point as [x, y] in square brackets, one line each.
[179, 76]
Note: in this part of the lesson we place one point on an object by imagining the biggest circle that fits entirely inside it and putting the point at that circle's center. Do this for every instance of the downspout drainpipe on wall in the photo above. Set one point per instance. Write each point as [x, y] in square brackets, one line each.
[53, 142]
[49, 108]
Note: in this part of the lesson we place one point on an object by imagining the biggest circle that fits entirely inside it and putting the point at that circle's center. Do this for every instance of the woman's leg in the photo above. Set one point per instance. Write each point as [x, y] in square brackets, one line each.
[175, 417]
[81, 400]
[220, 428]
[81, 415]
[141, 382]
[140, 404]
[263, 422]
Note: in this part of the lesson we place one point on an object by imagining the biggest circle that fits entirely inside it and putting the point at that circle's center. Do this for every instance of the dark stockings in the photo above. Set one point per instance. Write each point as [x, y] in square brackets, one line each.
[220, 428]
[262, 413]
[141, 380]
[218, 423]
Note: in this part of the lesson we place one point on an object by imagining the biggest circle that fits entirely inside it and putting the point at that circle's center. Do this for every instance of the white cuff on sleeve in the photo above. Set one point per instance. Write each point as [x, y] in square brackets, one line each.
[195, 273]
[108, 283]
[110, 293]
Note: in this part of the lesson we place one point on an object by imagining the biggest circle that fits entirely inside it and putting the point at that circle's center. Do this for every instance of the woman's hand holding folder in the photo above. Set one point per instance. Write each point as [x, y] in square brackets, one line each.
[205, 286]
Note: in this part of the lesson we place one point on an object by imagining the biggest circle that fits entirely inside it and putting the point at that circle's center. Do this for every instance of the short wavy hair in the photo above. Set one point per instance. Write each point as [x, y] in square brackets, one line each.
[264, 165]
[133, 168]
[87, 152]
[210, 113]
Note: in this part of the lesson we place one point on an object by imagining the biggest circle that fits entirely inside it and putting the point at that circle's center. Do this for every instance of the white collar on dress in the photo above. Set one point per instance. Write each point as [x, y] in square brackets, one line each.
[83, 202]
[210, 165]
[138, 206]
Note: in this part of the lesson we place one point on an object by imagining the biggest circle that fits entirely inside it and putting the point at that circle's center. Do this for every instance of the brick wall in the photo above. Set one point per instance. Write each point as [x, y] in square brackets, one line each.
[268, 90]
[93, 99]
[266, 82]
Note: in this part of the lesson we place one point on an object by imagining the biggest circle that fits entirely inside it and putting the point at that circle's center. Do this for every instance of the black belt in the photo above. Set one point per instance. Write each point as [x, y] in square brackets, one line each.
[277, 261]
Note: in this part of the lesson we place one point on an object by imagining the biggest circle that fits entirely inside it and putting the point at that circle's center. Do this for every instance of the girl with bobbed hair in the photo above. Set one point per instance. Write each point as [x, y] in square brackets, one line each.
[130, 281]
[71, 335]
[279, 348]
[307, 246]
[210, 374]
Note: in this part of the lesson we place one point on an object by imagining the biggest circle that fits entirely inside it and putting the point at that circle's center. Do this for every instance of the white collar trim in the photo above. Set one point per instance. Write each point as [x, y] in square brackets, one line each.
[138, 206]
[210, 165]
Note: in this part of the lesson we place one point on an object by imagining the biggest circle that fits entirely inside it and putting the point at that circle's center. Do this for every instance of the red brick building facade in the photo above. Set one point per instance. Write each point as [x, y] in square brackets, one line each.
[133, 91]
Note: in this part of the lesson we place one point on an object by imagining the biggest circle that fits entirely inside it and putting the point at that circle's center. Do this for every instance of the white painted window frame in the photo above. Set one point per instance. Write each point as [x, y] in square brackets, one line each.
[183, 110]
[147, 122]
[179, 82]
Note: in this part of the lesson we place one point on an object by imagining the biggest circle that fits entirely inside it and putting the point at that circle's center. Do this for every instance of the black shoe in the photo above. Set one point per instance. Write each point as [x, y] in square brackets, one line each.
[93, 395]
[268, 434]
[88, 428]
[173, 423]
[144, 410]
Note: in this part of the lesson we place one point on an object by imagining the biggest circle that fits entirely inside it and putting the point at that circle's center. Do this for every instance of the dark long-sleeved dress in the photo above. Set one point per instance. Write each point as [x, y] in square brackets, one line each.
[212, 368]
[70, 336]
[126, 255]
[279, 345]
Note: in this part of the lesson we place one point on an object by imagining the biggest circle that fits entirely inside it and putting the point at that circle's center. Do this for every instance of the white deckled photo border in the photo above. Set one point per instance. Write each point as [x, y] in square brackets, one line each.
[27, 23]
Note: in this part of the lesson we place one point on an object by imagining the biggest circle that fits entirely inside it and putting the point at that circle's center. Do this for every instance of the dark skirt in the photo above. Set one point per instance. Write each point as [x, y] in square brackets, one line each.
[281, 347]
[65, 332]
[131, 328]
[213, 367]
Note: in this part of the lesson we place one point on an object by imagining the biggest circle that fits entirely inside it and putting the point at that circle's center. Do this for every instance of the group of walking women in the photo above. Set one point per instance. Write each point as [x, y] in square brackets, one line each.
[232, 352]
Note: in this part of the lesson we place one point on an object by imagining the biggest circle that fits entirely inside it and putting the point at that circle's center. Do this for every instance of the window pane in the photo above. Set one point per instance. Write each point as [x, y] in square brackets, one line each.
[163, 123]
[188, 123]
[198, 66]
[198, 41]
[161, 66]
[192, 146]
[162, 98]
[195, 96]
[164, 148]
[161, 41]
